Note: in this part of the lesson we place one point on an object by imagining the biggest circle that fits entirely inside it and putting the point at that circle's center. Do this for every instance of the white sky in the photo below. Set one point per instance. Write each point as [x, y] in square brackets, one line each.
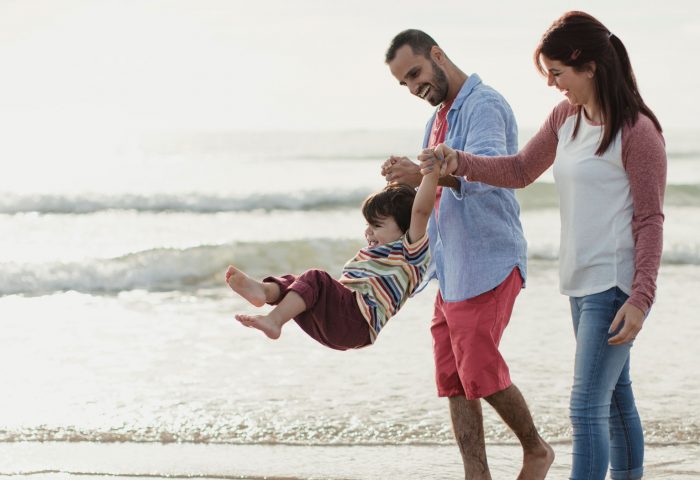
[98, 66]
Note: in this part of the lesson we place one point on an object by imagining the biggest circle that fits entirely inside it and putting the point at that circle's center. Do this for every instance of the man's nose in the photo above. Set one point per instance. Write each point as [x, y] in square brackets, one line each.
[414, 87]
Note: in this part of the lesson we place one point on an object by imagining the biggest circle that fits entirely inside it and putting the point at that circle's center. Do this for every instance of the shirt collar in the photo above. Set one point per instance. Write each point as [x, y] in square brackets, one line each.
[469, 85]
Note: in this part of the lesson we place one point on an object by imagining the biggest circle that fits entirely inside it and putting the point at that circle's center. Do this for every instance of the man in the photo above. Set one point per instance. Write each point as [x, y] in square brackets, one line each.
[478, 249]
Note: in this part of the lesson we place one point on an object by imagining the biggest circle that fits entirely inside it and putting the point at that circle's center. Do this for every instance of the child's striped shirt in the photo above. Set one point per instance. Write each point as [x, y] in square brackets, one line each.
[384, 276]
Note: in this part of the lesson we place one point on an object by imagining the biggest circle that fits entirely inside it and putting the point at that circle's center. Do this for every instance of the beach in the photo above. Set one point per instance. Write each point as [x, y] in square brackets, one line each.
[148, 145]
[120, 355]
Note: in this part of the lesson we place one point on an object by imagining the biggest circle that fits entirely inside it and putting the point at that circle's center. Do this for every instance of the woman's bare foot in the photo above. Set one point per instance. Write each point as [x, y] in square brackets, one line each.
[262, 322]
[536, 465]
[246, 287]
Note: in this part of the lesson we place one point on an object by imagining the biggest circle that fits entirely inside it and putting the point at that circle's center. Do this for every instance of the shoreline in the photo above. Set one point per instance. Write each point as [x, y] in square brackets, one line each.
[90, 460]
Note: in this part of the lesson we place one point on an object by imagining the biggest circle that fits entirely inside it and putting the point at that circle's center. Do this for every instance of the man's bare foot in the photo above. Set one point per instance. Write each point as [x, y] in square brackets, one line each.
[262, 322]
[536, 464]
[246, 287]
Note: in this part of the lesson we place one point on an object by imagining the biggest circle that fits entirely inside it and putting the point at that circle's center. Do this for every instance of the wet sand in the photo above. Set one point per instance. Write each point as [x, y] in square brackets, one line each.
[85, 460]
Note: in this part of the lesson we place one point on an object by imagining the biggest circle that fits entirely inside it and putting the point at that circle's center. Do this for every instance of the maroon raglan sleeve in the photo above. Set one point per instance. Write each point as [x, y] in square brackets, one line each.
[523, 168]
[644, 159]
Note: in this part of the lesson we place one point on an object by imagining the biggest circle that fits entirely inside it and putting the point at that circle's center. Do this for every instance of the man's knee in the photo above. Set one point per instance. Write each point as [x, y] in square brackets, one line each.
[500, 395]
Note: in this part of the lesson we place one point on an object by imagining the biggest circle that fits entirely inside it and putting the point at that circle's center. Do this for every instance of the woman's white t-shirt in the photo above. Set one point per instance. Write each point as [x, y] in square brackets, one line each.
[596, 245]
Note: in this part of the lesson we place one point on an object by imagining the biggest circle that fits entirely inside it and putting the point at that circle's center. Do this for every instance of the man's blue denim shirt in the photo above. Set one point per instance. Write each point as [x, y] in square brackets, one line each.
[478, 239]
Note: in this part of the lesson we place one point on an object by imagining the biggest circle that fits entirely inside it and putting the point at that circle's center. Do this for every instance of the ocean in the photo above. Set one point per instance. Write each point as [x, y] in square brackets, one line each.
[119, 339]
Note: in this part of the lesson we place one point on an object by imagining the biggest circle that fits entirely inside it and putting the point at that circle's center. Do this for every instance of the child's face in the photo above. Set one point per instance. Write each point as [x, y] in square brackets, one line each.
[382, 230]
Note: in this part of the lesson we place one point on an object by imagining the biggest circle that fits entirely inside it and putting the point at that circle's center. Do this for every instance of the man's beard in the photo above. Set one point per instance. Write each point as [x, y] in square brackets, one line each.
[440, 86]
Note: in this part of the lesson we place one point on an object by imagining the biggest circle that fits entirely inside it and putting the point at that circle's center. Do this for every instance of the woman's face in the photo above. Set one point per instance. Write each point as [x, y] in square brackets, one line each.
[577, 87]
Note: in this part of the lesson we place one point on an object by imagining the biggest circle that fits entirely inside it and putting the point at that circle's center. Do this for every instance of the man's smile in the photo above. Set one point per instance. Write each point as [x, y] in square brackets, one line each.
[423, 92]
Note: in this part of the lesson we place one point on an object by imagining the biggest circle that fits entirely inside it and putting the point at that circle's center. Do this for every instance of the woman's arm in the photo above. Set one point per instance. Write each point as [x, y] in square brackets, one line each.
[644, 159]
[511, 171]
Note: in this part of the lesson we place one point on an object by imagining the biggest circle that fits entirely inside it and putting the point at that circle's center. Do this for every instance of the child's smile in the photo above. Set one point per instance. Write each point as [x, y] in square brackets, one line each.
[382, 230]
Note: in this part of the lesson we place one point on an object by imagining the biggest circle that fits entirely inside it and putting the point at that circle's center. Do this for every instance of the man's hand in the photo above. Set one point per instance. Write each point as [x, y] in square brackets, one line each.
[631, 319]
[429, 157]
[401, 170]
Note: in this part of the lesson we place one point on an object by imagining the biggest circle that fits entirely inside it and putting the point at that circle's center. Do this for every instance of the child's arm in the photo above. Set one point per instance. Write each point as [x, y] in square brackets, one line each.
[423, 204]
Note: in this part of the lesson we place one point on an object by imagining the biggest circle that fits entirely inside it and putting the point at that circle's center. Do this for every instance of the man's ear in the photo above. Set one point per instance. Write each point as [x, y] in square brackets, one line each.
[437, 55]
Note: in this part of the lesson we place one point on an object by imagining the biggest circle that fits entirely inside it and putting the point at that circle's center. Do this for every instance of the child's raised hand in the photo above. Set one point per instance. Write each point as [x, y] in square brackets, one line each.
[442, 157]
[430, 160]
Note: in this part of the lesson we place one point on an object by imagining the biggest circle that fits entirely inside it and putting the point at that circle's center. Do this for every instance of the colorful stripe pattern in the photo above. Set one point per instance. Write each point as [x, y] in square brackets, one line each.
[383, 278]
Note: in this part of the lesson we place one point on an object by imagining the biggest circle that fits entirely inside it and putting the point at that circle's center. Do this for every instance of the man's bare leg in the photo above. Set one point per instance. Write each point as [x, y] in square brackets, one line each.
[257, 293]
[271, 324]
[468, 426]
[537, 454]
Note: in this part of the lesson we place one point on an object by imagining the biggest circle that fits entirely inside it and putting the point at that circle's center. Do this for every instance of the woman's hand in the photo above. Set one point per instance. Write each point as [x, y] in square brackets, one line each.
[632, 319]
[443, 154]
[401, 170]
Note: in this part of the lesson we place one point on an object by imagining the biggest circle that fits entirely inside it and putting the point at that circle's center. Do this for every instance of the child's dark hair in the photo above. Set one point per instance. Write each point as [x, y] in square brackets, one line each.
[395, 200]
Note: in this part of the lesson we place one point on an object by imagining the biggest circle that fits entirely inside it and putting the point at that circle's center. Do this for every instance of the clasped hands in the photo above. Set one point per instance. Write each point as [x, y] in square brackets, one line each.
[402, 170]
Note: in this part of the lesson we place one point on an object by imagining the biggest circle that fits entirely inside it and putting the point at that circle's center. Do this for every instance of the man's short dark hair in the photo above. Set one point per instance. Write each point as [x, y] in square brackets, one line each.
[419, 41]
[395, 200]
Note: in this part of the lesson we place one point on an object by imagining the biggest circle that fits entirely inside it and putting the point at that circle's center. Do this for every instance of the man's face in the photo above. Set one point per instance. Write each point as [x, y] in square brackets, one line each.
[423, 77]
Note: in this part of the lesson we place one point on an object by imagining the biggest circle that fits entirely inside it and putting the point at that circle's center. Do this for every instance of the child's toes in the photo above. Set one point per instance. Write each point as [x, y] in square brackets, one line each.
[229, 272]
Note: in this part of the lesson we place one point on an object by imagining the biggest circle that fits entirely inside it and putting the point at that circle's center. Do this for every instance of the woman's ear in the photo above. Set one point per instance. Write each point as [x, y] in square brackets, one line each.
[590, 69]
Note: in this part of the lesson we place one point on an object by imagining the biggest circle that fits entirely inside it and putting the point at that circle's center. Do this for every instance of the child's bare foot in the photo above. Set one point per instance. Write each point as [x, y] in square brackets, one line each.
[262, 322]
[246, 287]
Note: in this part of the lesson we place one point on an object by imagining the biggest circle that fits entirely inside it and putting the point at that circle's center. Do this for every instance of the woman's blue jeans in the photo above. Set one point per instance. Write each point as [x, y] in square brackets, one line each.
[606, 425]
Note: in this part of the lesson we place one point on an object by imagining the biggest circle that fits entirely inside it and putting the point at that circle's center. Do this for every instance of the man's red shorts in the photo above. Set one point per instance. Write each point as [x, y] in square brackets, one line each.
[466, 336]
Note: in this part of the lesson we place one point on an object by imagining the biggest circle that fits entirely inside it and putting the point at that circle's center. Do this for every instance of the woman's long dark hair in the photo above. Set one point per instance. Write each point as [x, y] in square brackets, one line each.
[575, 39]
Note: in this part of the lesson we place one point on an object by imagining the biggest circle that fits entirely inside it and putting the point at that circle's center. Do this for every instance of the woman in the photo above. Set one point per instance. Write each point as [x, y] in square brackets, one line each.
[610, 170]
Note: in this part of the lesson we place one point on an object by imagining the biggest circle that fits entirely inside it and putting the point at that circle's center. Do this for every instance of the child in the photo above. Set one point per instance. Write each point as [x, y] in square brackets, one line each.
[350, 312]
